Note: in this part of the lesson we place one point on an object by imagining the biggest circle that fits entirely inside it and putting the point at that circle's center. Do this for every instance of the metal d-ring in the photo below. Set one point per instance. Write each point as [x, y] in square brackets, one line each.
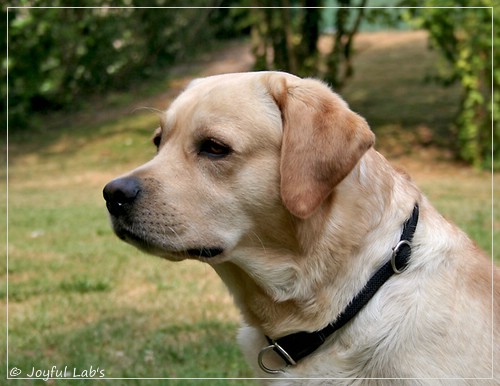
[260, 359]
[395, 251]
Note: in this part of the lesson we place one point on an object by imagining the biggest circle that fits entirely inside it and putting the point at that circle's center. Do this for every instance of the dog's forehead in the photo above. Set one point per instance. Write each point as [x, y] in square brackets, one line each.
[229, 100]
[213, 93]
[224, 89]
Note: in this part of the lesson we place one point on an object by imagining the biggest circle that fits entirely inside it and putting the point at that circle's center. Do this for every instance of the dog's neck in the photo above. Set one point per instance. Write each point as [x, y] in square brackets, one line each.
[303, 285]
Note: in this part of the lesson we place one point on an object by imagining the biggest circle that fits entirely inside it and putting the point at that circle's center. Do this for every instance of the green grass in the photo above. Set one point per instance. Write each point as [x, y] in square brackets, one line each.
[79, 297]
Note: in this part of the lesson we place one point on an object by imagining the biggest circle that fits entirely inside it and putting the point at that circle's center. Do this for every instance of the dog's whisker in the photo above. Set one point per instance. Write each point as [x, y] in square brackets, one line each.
[154, 110]
[260, 241]
[174, 232]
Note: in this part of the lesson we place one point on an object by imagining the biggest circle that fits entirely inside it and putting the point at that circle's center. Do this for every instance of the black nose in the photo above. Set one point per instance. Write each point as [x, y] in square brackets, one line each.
[120, 194]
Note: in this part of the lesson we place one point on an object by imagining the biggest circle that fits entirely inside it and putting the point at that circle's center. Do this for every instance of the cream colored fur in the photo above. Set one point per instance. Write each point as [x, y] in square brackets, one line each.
[306, 211]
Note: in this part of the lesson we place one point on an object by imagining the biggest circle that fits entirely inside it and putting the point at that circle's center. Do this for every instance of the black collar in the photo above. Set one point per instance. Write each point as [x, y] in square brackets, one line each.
[294, 347]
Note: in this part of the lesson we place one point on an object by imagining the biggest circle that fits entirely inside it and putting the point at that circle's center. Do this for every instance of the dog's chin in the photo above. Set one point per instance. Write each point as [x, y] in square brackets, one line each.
[212, 255]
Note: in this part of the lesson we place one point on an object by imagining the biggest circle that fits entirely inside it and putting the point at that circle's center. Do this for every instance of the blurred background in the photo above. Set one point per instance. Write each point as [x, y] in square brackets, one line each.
[82, 86]
[59, 58]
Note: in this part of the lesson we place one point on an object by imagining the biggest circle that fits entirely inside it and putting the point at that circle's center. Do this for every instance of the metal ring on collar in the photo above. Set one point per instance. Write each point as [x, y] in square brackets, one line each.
[271, 348]
[395, 251]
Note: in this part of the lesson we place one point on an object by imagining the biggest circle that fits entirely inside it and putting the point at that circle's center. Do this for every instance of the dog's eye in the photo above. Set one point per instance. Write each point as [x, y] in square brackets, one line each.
[157, 140]
[212, 148]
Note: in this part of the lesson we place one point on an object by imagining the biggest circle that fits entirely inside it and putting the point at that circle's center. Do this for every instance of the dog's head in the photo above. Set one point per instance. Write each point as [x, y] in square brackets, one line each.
[239, 157]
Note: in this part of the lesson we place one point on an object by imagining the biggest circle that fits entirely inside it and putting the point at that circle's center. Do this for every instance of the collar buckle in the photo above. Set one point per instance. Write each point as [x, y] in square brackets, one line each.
[401, 267]
[281, 352]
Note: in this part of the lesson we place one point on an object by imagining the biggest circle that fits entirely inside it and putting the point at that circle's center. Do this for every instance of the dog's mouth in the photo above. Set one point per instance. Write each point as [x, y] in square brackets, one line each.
[204, 252]
[201, 253]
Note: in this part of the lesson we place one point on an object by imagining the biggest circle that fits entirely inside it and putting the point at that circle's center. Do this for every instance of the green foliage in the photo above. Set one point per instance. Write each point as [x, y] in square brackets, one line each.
[464, 36]
[57, 57]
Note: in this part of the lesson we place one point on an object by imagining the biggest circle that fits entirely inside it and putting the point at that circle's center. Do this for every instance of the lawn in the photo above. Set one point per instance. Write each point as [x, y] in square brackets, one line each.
[81, 298]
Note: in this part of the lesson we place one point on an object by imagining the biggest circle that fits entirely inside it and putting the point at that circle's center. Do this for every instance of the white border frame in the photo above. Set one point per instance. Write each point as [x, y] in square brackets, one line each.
[9, 371]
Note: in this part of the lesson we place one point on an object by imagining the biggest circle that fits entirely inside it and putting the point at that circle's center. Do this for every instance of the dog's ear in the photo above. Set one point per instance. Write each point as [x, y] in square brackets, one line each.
[322, 140]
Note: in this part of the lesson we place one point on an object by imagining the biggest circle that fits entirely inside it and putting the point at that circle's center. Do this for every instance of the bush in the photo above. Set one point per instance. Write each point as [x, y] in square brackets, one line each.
[464, 36]
[59, 56]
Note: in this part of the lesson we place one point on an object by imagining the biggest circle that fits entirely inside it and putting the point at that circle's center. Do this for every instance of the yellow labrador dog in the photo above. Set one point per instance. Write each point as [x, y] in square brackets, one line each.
[340, 266]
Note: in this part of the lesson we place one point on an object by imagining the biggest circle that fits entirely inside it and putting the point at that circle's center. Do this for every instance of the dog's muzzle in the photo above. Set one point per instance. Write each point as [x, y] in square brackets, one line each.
[130, 223]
